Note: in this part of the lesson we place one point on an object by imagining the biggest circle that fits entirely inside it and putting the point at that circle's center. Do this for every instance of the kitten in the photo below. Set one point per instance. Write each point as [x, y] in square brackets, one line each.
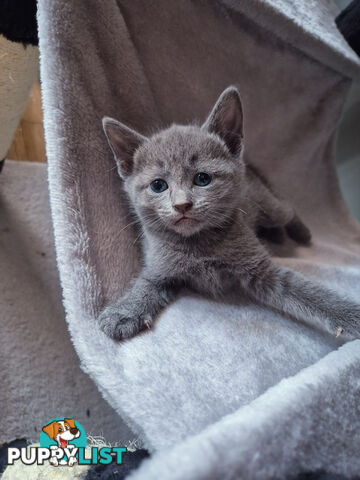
[200, 207]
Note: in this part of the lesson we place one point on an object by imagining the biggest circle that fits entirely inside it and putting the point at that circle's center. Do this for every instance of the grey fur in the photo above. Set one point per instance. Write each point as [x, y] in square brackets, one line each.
[214, 249]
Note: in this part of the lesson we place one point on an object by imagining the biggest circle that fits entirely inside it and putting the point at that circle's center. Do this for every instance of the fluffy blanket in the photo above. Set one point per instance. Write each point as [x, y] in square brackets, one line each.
[40, 376]
[216, 390]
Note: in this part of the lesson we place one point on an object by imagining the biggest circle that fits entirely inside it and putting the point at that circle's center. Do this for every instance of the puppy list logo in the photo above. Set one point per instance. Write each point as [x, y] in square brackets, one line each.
[63, 442]
[63, 437]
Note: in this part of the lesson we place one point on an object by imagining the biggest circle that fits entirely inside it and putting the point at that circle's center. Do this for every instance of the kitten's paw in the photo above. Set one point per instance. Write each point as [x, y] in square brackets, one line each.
[119, 322]
[298, 231]
[274, 235]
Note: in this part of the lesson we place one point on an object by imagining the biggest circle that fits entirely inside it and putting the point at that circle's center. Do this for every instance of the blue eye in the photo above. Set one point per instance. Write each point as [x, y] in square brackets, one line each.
[158, 185]
[202, 179]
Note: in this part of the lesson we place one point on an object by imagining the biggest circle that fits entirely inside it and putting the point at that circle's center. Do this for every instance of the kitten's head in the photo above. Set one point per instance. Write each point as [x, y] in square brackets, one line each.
[185, 178]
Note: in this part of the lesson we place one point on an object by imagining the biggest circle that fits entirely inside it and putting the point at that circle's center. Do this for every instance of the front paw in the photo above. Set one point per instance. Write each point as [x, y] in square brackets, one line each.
[123, 321]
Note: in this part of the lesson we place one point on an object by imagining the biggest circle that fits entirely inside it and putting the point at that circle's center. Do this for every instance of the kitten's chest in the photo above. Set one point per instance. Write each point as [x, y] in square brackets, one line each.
[210, 276]
[206, 270]
[204, 274]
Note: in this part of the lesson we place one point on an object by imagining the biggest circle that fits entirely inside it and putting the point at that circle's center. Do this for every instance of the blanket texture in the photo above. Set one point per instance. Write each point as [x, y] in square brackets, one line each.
[40, 376]
[224, 390]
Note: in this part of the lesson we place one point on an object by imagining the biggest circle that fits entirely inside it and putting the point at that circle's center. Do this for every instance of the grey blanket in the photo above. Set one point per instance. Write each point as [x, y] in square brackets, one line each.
[243, 393]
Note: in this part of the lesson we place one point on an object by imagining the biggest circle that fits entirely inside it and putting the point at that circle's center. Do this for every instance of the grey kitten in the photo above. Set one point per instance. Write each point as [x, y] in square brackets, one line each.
[200, 206]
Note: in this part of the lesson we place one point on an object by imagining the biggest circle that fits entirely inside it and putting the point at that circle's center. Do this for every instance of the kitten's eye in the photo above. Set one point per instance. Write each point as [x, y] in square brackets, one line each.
[202, 179]
[158, 185]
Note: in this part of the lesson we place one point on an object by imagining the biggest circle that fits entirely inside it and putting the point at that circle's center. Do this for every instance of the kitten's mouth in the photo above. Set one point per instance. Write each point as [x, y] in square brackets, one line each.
[186, 226]
[184, 220]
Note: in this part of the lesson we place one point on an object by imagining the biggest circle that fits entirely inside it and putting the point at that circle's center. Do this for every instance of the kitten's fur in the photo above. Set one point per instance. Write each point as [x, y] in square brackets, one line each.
[217, 249]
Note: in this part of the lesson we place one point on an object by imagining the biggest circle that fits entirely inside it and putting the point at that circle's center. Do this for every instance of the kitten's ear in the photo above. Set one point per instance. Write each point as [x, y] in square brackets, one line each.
[226, 119]
[123, 142]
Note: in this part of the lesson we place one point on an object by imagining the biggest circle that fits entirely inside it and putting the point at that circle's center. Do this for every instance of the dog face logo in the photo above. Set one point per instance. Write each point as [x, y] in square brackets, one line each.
[63, 432]
[63, 443]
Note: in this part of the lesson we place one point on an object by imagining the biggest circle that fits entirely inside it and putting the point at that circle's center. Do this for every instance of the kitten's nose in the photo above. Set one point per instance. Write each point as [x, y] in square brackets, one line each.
[183, 207]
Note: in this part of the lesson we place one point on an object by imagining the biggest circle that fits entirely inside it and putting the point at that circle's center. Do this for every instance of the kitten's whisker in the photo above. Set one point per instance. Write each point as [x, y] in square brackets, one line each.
[258, 205]
[138, 237]
[129, 224]
[111, 169]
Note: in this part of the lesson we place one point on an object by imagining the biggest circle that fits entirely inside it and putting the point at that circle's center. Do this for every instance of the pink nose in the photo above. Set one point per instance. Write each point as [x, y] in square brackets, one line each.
[183, 207]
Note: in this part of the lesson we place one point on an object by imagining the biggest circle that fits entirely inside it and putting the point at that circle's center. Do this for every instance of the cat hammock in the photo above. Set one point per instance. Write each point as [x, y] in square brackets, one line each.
[213, 390]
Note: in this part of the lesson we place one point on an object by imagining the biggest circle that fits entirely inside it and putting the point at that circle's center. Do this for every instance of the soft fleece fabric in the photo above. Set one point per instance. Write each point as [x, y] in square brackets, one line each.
[209, 375]
[40, 376]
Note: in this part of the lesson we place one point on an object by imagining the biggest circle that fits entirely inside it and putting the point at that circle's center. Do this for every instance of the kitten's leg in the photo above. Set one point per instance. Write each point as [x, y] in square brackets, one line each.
[292, 293]
[274, 213]
[274, 234]
[298, 231]
[136, 310]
